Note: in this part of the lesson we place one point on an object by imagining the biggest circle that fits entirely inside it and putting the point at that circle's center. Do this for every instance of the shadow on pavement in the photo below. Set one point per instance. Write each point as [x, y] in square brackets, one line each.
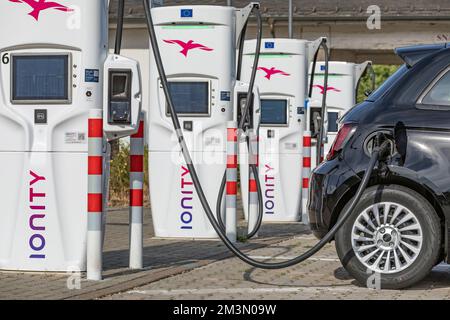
[165, 253]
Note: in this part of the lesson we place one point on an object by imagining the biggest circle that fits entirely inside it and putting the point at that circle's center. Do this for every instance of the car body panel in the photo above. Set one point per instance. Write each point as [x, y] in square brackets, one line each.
[421, 134]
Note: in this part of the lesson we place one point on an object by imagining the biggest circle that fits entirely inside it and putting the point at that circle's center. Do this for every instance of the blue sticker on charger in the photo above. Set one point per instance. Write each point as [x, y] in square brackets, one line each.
[225, 96]
[269, 45]
[187, 13]
[323, 68]
[91, 75]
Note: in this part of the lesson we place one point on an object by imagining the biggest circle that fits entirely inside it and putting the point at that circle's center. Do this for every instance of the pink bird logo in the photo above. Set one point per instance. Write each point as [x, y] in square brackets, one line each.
[41, 5]
[188, 46]
[322, 89]
[272, 71]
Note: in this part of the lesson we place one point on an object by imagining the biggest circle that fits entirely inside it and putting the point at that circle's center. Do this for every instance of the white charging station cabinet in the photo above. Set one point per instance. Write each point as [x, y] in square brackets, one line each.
[198, 48]
[343, 82]
[51, 75]
[282, 80]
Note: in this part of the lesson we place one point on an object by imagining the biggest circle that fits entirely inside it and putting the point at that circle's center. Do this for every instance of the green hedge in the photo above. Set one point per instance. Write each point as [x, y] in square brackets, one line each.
[119, 182]
[382, 73]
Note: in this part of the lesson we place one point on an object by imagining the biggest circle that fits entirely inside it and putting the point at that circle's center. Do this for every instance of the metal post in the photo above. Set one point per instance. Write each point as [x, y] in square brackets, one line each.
[322, 153]
[95, 195]
[231, 194]
[291, 19]
[137, 197]
[252, 188]
[306, 174]
[229, 3]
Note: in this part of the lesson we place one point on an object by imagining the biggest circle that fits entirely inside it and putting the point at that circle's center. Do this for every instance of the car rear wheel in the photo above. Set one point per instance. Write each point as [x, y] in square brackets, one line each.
[392, 239]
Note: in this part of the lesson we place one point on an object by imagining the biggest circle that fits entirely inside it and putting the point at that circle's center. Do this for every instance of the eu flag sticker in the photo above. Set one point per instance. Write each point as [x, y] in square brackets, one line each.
[187, 13]
[269, 45]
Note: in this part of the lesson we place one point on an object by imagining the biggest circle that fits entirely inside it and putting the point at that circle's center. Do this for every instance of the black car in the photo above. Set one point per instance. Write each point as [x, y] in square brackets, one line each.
[400, 228]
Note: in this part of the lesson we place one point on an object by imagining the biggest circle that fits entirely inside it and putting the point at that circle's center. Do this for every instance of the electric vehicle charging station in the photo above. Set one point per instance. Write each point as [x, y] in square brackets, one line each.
[55, 71]
[200, 42]
[105, 103]
[377, 155]
[282, 81]
[343, 83]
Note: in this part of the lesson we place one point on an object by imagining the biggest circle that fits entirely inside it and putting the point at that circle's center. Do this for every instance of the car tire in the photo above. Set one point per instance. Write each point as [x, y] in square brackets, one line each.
[417, 264]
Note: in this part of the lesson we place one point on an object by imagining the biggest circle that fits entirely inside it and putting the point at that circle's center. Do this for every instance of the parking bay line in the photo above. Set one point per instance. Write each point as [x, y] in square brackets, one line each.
[180, 292]
[290, 258]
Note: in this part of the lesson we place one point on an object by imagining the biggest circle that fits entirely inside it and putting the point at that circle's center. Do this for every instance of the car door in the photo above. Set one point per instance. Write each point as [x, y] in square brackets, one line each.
[427, 134]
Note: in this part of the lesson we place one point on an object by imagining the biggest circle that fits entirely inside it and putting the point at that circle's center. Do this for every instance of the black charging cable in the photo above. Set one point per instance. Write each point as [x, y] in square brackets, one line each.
[245, 118]
[119, 29]
[198, 187]
[320, 140]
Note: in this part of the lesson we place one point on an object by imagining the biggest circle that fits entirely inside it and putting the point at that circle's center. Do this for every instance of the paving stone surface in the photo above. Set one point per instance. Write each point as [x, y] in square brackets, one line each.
[162, 258]
[320, 278]
[182, 269]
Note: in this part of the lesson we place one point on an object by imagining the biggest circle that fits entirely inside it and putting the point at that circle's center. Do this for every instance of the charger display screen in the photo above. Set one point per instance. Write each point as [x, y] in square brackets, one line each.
[120, 88]
[40, 78]
[274, 112]
[333, 118]
[190, 98]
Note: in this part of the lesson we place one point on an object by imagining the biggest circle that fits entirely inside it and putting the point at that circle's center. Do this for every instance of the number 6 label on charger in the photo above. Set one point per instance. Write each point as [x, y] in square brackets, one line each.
[5, 58]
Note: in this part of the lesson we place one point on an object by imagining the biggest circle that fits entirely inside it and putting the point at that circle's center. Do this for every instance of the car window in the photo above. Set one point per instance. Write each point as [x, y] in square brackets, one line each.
[439, 95]
[388, 84]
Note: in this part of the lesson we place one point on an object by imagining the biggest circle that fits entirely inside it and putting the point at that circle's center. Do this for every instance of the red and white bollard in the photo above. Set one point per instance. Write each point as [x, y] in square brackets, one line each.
[95, 195]
[252, 187]
[137, 197]
[306, 174]
[231, 187]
